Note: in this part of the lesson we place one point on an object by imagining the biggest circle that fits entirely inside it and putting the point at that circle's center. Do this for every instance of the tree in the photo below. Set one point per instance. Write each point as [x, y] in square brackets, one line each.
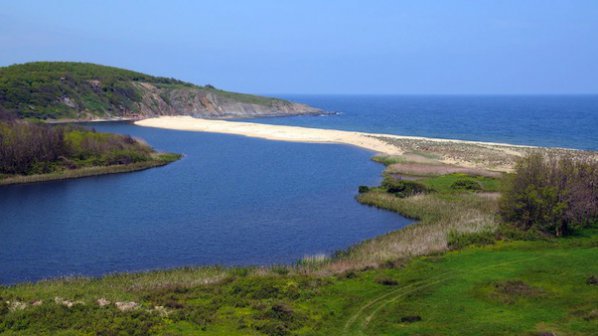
[553, 195]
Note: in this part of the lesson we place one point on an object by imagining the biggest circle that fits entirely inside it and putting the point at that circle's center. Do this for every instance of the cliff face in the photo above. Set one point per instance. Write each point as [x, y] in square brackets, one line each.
[84, 91]
[211, 103]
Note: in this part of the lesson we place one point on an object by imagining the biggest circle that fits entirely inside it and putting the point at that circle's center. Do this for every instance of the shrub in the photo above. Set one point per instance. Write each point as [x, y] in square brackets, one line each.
[509, 232]
[402, 188]
[458, 240]
[387, 281]
[24, 144]
[363, 189]
[411, 318]
[30, 148]
[552, 195]
[466, 184]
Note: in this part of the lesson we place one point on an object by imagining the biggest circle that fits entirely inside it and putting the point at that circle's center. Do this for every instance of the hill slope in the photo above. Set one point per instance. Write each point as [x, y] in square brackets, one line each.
[68, 90]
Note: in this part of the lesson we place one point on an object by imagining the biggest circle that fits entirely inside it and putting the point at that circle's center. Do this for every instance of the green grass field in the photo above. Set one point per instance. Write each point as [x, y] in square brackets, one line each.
[510, 288]
[513, 288]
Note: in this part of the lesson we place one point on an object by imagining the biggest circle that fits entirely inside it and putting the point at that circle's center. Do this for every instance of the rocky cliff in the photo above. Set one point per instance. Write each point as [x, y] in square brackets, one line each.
[212, 103]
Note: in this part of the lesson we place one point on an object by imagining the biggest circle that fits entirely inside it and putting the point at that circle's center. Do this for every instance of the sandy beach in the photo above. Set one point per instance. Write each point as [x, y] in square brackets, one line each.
[271, 132]
[369, 141]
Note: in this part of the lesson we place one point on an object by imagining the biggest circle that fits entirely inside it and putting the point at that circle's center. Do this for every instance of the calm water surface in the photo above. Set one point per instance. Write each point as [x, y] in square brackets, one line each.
[231, 200]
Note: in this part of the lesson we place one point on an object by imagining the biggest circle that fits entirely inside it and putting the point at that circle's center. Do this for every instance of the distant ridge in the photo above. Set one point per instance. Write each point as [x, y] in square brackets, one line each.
[86, 91]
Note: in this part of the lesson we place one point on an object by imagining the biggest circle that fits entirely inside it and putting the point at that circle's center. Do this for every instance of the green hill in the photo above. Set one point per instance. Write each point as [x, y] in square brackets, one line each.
[68, 90]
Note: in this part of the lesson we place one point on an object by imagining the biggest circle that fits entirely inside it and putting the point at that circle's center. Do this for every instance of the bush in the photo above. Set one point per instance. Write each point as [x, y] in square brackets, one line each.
[402, 188]
[24, 145]
[552, 195]
[466, 185]
[363, 189]
[458, 240]
[28, 148]
[387, 281]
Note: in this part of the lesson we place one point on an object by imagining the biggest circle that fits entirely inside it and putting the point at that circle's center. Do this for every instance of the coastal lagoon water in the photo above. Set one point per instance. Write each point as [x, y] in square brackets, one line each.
[554, 121]
[231, 200]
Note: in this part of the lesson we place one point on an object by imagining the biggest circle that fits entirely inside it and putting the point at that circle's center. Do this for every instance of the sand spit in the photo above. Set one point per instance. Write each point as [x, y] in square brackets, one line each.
[272, 132]
[473, 154]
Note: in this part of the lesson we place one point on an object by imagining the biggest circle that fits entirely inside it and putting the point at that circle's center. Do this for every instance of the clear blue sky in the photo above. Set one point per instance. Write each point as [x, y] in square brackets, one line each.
[371, 47]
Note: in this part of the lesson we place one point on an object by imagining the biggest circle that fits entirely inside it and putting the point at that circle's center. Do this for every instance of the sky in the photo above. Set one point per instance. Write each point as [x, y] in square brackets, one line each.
[321, 47]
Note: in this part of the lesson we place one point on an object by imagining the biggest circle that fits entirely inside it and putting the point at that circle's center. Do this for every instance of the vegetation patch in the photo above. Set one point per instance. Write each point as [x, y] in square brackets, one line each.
[388, 160]
[510, 291]
[387, 281]
[403, 188]
[55, 90]
[33, 152]
[459, 182]
[411, 318]
[70, 90]
[457, 240]
[552, 195]
[466, 185]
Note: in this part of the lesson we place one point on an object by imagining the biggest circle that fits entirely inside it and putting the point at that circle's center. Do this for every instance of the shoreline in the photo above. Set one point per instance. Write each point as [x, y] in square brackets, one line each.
[95, 120]
[161, 160]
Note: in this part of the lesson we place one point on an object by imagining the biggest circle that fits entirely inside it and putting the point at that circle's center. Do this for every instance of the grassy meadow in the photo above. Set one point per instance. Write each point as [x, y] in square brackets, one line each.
[517, 287]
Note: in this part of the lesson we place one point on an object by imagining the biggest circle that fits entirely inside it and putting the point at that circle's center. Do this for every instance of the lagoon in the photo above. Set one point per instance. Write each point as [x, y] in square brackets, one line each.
[231, 200]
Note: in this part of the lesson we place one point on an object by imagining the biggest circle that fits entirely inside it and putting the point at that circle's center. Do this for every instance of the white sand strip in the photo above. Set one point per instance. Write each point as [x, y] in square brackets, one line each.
[271, 132]
[292, 133]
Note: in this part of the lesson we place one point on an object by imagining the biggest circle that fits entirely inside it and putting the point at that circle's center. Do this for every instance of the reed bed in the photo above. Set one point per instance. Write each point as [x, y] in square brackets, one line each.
[437, 216]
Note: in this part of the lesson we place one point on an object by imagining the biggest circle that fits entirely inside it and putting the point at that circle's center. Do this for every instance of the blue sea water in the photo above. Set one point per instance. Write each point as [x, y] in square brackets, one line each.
[231, 200]
[555, 121]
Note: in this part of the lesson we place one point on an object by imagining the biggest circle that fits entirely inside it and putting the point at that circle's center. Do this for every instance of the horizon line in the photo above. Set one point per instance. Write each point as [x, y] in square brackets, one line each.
[423, 94]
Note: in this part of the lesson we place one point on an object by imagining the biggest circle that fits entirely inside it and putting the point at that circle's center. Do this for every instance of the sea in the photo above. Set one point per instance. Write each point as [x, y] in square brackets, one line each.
[569, 121]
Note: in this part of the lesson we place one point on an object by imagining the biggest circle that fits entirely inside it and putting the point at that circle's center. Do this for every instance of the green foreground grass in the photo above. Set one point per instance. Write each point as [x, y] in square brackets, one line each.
[521, 287]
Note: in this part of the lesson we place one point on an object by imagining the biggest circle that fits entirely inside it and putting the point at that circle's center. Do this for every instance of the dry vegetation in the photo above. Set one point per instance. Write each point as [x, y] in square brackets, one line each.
[437, 217]
[488, 156]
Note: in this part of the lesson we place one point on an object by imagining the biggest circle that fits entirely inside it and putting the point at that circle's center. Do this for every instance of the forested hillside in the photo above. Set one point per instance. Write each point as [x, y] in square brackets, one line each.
[68, 90]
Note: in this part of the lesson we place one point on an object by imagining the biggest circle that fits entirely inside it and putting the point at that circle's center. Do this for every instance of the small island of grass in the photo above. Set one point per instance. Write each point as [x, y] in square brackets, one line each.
[35, 152]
